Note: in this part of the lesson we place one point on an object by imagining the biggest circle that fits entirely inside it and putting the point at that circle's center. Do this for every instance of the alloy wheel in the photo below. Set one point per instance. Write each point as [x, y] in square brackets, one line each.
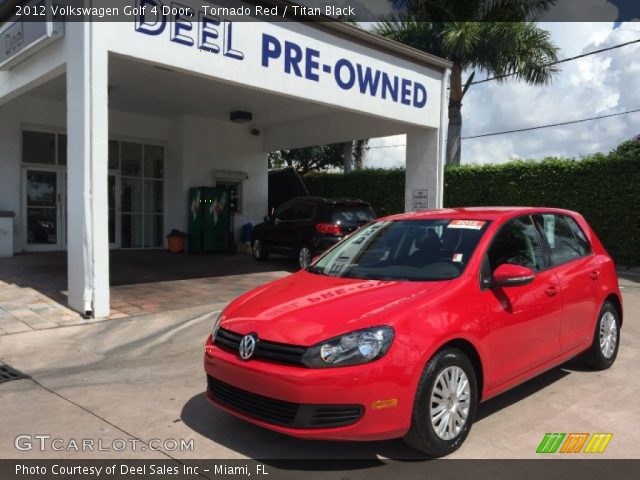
[257, 249]
[608, 334]
[304, 257]
[450, 402]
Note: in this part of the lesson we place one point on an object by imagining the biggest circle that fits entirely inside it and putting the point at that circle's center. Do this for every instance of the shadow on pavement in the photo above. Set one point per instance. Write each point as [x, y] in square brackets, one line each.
[274, 448]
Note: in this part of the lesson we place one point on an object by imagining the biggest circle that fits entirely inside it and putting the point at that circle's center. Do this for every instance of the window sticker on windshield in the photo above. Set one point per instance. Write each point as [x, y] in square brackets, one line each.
[457, 258]
[469, 224]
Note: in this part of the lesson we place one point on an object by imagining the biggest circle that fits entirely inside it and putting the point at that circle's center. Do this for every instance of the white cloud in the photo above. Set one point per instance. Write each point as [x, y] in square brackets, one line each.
[595, 85]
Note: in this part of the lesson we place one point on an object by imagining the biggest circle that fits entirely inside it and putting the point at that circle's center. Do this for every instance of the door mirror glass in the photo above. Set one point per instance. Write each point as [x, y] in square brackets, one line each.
[509, 275]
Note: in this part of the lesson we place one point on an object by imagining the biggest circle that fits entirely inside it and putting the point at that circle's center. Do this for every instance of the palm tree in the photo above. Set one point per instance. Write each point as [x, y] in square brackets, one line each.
[499, 42]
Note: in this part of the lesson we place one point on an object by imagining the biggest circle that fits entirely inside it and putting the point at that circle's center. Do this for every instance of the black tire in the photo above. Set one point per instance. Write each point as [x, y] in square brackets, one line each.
[422, 435]
[596, 357]
[258, 252]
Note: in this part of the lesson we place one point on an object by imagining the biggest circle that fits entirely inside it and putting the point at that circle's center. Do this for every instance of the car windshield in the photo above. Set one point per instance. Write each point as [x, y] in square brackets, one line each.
[410, 250]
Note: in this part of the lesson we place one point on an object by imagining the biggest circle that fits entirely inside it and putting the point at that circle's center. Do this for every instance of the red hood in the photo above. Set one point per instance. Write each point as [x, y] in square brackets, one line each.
[305, 308]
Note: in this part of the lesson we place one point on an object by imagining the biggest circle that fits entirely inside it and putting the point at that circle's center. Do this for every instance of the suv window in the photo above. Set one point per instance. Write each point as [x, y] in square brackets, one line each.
[583, 243]
[303, 211]
[351, 214]
[285, 212]
[562, 243]
[517, 243]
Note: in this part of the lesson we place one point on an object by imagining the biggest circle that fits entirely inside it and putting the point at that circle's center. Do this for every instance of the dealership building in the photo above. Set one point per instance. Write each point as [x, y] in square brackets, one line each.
[105, 126]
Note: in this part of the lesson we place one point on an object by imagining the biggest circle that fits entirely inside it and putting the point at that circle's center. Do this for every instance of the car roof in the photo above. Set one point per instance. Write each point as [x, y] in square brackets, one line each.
[339, 201]
[476, 213]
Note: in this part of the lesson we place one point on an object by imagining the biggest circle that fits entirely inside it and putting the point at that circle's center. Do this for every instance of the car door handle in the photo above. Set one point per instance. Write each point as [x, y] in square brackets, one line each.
[595, 275]
[552, 290]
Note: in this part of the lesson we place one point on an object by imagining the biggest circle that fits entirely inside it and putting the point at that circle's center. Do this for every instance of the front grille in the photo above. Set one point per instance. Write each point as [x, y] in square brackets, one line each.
[265, 350]
[279, 412]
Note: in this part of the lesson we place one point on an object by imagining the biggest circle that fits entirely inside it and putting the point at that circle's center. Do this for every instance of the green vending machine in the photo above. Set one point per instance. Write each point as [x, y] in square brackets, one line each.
[210, 219]
[216, 219]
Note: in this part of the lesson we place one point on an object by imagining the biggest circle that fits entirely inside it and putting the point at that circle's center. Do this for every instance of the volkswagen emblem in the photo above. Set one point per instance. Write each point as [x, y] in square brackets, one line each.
[248, 346]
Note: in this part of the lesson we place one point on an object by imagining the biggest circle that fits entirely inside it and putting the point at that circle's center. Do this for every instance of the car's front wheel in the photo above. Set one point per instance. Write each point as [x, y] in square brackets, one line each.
[258, 250]
[445, 404]
[606, 339]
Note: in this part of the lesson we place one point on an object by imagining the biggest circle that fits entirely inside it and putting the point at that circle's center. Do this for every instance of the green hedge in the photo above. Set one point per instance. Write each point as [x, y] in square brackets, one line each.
[604, 188]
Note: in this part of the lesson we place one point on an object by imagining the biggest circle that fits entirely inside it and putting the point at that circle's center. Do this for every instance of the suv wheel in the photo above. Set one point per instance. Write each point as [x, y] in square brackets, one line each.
[304, 257]
[258, 251]
[445, 404]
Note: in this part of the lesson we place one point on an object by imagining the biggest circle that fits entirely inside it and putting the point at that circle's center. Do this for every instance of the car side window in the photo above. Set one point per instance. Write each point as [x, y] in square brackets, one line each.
[285, 212]
[303, 211]
[560, 238]
[583, 242]
[517, 243]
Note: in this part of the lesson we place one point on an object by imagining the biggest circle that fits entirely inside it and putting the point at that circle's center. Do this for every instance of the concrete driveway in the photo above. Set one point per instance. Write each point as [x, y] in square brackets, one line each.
[143, 379]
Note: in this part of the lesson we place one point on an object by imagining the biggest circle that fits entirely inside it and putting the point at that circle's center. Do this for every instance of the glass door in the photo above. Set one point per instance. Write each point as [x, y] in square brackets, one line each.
[45, 209]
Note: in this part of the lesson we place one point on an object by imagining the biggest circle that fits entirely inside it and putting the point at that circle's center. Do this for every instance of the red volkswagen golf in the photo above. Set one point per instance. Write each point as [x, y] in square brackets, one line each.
[403, 327]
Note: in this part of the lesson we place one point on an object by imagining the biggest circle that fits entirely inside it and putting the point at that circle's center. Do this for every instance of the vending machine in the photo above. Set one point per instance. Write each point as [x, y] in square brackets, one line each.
[210, 220]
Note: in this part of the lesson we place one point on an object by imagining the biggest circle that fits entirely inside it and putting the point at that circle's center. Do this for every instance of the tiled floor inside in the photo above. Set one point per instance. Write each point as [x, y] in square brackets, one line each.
[33, 286]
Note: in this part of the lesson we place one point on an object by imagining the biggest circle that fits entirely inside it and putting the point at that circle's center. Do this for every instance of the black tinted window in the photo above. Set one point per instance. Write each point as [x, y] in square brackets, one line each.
[583, 243]
[285, 212]
[562, 243]
[516, 243]
[303, 211]
[351, 214]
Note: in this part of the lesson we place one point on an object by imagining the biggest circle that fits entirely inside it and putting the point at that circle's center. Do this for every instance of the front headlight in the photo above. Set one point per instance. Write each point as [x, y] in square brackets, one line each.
[355, 348]
[216, 324]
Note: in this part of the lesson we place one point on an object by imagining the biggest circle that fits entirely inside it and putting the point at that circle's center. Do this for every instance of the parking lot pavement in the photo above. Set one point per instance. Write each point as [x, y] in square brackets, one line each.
[137, 379]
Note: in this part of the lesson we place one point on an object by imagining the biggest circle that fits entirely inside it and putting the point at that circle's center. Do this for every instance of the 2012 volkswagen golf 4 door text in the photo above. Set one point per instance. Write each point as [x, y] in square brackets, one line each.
[402, 328]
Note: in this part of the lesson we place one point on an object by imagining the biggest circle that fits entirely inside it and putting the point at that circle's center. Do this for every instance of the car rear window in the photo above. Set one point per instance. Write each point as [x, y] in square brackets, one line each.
[351, 214]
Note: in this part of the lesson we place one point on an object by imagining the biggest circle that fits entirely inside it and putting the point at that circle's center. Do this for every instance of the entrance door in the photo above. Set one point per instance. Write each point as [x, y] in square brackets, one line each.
[45, 208]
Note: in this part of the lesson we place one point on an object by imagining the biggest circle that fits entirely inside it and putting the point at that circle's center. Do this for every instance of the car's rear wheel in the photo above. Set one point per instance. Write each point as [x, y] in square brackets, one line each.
[258, 250]
[304, 256]
[606, 339]
[445, 404]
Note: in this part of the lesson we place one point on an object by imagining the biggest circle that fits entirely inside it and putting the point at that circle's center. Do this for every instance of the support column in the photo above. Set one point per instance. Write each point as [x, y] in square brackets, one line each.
[87, 171]
[424, 169]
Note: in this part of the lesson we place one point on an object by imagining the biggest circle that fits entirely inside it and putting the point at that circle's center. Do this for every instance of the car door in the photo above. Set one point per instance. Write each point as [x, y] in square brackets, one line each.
[524, 321]
[578, 277]
[275, 229]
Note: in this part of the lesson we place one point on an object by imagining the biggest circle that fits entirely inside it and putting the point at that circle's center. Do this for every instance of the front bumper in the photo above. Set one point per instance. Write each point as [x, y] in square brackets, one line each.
[277, 386]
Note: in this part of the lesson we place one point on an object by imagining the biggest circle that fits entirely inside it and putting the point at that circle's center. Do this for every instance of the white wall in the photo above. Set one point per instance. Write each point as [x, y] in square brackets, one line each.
[204, 146]
[194, 148]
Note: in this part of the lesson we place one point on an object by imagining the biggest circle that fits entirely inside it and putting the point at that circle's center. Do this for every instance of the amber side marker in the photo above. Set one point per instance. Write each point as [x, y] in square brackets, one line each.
[380, 404]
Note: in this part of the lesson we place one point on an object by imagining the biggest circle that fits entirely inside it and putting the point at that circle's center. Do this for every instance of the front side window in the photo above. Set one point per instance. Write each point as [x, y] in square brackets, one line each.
[516, 243]
[404, 250]
[562, 243]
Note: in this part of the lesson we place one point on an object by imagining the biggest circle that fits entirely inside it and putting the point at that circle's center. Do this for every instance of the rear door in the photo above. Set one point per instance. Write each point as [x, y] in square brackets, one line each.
[524, 321]
[274, 230]
[578, 276]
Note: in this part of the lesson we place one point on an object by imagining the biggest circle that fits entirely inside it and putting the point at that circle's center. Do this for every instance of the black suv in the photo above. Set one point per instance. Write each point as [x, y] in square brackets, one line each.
[306, 226]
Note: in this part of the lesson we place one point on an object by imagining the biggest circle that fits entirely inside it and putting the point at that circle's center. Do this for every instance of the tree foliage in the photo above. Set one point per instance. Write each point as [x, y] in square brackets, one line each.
[494, 37]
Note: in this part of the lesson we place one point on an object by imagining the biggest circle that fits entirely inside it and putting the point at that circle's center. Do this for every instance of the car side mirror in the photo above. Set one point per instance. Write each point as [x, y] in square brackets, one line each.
[509, 275]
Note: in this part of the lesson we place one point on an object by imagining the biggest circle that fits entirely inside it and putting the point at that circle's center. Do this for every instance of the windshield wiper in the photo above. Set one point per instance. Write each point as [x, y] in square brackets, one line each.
[312, 269]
